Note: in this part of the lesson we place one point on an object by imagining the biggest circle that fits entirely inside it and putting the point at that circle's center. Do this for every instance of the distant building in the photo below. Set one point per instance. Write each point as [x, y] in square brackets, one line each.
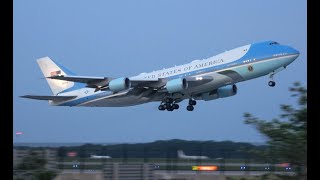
[50, 155]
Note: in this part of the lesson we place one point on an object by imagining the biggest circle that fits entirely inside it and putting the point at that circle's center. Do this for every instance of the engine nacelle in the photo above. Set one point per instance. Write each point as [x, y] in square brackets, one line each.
[177, 85]
[119, 84]
[227, 91]
[222, 92]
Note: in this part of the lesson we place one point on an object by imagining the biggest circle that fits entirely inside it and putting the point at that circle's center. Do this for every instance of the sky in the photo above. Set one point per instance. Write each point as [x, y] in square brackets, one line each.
[126, 38]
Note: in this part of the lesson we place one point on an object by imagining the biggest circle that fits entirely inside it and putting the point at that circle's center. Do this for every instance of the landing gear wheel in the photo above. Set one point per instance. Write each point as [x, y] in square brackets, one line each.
[271, 83]
[192, 102]
[161, 108]
[190, 108]
[170, 108]
[169, 104]
[166, 105]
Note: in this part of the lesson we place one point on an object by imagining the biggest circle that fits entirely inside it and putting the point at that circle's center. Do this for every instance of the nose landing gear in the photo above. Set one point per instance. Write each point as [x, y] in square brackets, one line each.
[272, 83]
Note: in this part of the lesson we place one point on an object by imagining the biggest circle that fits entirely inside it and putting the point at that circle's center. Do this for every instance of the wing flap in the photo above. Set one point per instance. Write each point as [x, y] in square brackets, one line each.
[54, 98]
[148, 83]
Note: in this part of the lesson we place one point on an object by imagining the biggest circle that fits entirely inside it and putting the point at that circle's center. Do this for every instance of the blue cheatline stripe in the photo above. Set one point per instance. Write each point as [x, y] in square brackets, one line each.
[85, 99]
[67, 71]
[76, 85]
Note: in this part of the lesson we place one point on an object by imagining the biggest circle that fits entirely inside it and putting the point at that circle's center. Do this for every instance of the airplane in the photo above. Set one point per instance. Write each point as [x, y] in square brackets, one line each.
[206, 79]
[100, 157]
[181, 155]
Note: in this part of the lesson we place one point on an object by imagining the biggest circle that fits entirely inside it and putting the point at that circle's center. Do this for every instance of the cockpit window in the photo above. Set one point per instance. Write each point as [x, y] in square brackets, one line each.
[272, 43]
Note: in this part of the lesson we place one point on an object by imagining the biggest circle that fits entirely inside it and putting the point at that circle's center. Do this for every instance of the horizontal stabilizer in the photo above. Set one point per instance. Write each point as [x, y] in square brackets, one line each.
[92, 82]
[54, 98]
[81, 79]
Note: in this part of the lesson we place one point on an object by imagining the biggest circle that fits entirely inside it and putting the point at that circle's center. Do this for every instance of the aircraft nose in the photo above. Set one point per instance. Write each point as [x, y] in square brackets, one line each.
[292, 51]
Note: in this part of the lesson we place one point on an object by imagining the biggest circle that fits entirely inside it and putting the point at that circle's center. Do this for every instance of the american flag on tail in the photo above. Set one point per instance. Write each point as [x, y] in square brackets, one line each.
[55, 73]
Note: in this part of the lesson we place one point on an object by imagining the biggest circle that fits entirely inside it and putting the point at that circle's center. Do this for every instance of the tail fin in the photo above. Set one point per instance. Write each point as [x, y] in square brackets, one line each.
[180, 153]
[51, 68]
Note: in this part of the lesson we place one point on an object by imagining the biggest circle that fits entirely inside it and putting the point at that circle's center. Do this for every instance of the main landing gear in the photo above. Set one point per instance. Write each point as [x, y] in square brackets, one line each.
[272, 83]
[191, 104]
[169, 105]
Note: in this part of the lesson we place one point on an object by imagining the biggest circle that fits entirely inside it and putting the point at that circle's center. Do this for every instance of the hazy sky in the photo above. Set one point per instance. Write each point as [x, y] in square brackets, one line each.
[126, 38]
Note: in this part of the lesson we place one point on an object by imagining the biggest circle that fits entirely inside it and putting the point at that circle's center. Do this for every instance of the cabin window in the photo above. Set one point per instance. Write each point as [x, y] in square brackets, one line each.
[272, 43]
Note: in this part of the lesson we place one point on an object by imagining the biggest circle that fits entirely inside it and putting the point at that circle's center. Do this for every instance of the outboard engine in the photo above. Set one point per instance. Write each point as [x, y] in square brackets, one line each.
[119, 84]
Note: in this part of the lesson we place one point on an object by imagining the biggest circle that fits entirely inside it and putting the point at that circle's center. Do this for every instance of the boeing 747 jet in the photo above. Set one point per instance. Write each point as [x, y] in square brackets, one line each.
[181, 155]
[206, 79]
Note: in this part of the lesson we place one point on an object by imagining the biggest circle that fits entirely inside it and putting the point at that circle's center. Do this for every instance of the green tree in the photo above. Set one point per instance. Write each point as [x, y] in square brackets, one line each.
[44, 174]
[35, 165]
[287, 136]
[31, 162]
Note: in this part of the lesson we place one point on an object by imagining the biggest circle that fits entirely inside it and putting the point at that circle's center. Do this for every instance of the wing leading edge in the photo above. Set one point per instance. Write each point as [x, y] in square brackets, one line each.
[54, 98]
[102, 83]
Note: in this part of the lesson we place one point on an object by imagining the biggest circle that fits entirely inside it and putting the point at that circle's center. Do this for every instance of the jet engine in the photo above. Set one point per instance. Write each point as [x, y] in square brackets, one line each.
[222, 92]
[119, 84]
[227, 91]
[177, 85]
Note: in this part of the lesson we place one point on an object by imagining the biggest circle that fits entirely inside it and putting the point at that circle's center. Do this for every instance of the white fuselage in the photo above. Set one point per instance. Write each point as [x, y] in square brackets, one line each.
[262, 60]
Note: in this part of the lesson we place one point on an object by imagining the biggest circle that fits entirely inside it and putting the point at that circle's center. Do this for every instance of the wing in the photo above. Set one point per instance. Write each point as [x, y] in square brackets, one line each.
[81, 79]
[102, 83]
[54, 98]
[149, 83]
[199, 80]
[232, 75]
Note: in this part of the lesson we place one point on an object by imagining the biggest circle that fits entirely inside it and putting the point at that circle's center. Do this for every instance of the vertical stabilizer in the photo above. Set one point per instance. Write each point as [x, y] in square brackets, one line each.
[50, 68]
[180, 154]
